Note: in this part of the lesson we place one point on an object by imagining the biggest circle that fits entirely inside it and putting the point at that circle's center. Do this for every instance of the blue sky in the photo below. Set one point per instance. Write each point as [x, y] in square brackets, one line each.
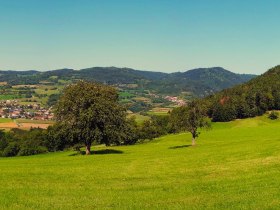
[161, 35]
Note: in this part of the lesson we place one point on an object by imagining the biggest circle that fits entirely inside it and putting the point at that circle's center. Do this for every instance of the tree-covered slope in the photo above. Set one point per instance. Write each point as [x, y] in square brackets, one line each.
[202, 81]
[250, 99]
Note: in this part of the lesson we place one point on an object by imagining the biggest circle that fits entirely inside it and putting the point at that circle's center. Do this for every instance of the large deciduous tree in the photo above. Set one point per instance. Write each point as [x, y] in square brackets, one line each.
[190, 118]
[90, 113]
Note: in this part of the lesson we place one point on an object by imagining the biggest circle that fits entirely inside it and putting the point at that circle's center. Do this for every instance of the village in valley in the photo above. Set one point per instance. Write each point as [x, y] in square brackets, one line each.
[31, 105]
[13, 110]
[176, 100]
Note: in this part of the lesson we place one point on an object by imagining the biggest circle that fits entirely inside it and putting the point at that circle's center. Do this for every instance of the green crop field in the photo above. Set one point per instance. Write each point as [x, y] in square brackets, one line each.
[9, 97]
[126, 94]
[151, 113]
[5, 120]
[235, 165]
[46, 90]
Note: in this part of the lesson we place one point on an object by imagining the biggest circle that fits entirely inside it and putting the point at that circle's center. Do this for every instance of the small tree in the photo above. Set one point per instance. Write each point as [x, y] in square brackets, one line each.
[90, 112]
[190, 118]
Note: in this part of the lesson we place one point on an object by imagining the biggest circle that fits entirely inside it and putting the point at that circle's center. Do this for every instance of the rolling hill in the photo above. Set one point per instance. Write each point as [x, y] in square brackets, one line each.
[198, 82]
[203, 81]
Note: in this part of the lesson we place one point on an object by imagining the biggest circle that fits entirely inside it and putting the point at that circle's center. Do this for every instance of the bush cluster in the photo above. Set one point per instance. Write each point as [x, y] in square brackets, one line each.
[155, 127]
[17, 142]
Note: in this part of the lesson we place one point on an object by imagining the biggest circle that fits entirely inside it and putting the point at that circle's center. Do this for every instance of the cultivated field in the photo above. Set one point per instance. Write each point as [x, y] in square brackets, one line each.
[26, 124]
[235, 165]
[159, 111]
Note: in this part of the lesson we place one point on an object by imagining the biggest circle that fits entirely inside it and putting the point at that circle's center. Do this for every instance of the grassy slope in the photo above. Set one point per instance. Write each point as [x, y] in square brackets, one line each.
[235, 165]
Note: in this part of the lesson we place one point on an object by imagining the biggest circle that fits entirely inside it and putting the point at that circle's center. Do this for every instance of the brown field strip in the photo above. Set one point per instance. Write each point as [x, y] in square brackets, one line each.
[11, 125]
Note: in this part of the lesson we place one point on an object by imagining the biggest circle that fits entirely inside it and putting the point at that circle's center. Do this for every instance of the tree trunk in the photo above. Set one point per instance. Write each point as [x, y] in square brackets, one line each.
[193, 141]
[88, 150]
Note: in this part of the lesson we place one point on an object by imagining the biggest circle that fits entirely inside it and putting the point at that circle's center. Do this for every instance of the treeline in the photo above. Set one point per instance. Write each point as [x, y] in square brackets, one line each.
[22, 143]
[59, 137]
[251, 99]
[17, 142]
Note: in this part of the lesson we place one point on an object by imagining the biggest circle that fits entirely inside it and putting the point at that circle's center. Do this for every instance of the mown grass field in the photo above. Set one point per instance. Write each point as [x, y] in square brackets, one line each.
[235, 165]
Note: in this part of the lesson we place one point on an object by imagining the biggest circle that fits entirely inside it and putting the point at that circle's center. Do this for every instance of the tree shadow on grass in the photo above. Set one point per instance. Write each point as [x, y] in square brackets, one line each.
[106, 151]
[179, 147]
[99, 152]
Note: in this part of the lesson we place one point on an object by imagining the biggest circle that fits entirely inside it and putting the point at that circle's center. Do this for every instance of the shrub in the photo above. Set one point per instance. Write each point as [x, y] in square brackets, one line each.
[26, 150]
[273, 115]
[11, 150]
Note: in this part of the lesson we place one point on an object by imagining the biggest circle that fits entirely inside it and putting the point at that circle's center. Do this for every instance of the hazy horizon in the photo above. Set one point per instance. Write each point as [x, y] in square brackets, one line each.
[165, 36]
[150, 70]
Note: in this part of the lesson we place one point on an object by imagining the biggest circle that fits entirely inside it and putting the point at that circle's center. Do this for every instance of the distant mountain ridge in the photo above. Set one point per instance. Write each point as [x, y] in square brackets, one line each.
[198, 82]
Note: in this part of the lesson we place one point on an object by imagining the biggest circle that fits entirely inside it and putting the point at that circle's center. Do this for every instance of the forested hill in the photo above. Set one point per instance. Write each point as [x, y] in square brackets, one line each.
[198, 82]
[250, 99]
[202, 81]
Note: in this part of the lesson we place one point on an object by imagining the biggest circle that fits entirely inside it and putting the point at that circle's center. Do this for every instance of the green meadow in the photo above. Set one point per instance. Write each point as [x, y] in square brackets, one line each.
[235, 165]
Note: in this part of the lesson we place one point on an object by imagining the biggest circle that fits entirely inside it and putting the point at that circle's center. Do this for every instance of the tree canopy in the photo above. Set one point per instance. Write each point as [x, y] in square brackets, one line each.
[90, 113]
[190, 118]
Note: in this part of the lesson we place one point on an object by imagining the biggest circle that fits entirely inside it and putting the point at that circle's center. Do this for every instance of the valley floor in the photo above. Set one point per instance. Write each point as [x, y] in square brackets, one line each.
[235, 165]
